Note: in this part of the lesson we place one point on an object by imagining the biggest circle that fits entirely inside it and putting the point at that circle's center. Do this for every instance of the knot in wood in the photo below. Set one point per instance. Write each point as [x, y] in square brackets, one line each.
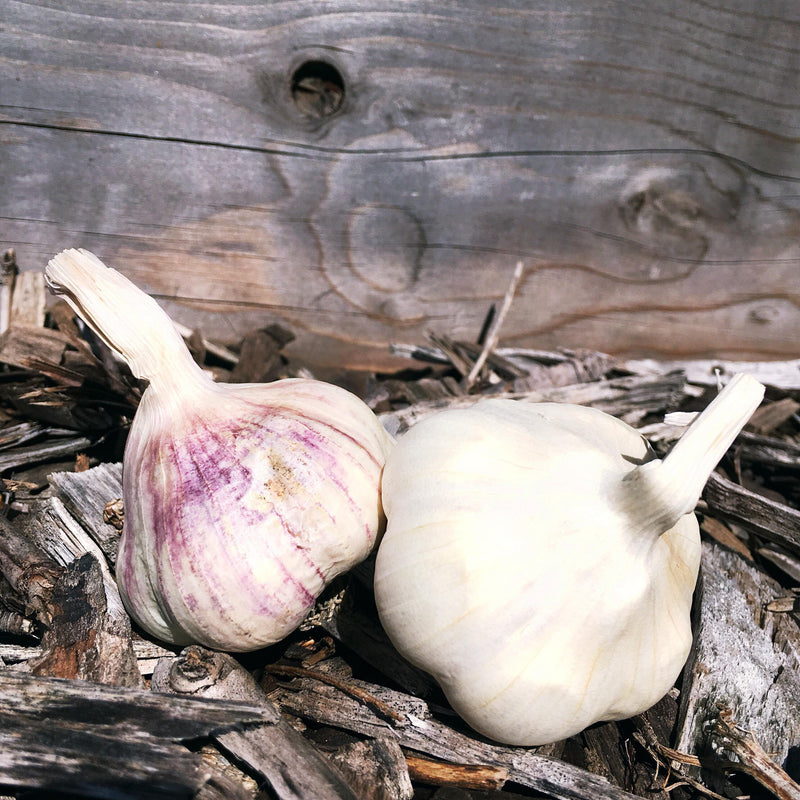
[317, 89]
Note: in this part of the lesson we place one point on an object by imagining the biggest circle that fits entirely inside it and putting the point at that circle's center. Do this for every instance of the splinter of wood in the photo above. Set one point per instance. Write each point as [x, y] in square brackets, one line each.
[294, 768]
[460, 776]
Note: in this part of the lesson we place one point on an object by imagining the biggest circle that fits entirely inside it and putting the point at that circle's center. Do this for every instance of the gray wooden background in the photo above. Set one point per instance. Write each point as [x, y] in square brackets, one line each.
[365, 171]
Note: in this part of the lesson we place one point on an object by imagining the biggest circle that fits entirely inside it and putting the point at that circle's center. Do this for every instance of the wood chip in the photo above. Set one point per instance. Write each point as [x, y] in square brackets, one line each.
[87, 495]
[29, 299]
[461, 776]
[260, 358]
[743, 655]
[772, 415]
[83, 641]
[423, 733]
[773, 521]
[722, 534]
[29, 570]
[87, 738]
[375, 768]
[291, 764]
[751, 757]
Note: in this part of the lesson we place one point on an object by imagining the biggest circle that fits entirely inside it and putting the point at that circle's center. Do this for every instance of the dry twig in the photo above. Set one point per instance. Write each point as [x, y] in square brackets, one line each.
[494, 334]
[460, 776]
[672, 761]
[752, 758]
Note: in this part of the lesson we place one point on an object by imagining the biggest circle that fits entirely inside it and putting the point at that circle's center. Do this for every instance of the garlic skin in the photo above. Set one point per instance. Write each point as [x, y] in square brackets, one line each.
[540, 563]
[242, 501]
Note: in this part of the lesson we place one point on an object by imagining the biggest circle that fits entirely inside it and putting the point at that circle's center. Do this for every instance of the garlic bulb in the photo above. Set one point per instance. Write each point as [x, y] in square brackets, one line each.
[242, 501]
[540, 563]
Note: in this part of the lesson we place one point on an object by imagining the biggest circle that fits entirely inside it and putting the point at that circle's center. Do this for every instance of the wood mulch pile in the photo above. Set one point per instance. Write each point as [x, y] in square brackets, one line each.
[91, 707]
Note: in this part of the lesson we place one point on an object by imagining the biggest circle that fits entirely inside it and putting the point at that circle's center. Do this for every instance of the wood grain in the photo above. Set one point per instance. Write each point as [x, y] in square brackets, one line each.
[640, 158]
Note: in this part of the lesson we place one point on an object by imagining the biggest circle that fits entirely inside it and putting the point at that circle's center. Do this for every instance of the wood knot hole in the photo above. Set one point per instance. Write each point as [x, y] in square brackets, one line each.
[317, 89]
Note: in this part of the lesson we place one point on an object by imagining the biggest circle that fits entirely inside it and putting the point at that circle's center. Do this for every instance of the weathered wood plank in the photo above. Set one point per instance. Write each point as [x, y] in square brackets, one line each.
[641, 161]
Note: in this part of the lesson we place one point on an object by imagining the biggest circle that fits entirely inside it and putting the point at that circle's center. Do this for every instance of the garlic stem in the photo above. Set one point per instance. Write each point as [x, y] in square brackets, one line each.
[674, 484]
[143, 335]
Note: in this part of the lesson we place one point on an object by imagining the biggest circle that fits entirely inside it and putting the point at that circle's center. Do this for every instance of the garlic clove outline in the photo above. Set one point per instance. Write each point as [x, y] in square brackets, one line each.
[242, 501]
[540, 563]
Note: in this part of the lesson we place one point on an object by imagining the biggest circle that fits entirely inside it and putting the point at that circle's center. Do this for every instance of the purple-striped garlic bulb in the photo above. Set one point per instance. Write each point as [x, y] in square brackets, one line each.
[242, 501]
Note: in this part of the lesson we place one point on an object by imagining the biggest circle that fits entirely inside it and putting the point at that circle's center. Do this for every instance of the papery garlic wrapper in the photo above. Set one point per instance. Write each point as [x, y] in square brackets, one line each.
[540, 563]
[242, 501]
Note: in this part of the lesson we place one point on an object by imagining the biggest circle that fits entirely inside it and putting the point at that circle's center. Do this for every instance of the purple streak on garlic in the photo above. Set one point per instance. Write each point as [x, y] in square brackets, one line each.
[242, 501]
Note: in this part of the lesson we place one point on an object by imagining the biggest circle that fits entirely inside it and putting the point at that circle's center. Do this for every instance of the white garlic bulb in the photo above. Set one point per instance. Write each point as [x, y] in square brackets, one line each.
[242, 501]
[540, 563]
